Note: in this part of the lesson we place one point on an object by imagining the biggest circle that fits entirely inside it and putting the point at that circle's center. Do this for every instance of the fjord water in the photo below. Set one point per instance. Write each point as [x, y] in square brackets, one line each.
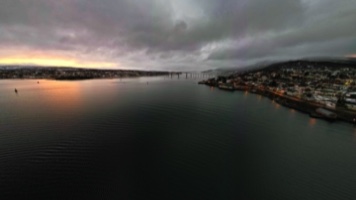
[150, 138]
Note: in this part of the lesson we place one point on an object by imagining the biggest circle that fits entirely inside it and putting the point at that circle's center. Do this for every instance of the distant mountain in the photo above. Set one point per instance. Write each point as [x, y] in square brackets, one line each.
[320, 62]
[227, 71]
[329, 61]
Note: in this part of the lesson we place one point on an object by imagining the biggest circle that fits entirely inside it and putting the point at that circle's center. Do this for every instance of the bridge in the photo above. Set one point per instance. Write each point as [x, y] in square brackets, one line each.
[190, 75]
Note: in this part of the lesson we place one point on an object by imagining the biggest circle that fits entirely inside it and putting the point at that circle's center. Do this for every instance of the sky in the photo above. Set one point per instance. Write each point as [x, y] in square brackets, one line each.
[173, 34]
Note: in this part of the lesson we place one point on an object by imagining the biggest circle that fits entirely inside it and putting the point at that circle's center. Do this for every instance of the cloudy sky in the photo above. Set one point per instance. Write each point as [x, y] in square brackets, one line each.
[173, 34]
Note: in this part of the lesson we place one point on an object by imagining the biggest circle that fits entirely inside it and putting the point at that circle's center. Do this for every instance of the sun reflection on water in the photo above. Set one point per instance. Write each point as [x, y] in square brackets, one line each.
[61, 95]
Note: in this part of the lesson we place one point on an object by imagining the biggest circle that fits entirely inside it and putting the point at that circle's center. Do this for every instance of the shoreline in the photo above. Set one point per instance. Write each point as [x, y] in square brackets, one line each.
[306, 107]
[79, 79]
[61, 73]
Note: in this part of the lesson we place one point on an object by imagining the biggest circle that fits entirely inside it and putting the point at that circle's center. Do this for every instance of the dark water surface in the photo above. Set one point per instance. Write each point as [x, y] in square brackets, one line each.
[172, 139]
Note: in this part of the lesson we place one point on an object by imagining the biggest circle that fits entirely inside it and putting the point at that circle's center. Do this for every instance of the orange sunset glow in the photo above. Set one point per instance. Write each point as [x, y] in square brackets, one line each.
[51, 59]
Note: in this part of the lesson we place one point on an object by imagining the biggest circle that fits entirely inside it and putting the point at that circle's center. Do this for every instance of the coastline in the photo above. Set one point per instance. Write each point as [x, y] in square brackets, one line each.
[78, 78]
[66, 73]
[303, 106]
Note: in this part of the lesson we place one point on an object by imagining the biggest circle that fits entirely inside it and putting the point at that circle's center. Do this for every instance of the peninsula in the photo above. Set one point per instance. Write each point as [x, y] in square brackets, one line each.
[322, 89]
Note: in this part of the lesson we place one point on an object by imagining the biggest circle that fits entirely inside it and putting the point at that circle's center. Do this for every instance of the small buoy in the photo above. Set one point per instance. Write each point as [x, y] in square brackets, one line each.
[38, 82]
[15, 90]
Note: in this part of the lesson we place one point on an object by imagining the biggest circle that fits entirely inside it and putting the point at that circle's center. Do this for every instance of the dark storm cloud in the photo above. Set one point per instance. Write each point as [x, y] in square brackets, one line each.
[172, 33]
[327, 33]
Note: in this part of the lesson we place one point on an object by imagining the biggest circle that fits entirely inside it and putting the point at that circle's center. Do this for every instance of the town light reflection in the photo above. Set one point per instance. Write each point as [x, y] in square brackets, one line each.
[277, 106]
[312, 121]
[246, 93]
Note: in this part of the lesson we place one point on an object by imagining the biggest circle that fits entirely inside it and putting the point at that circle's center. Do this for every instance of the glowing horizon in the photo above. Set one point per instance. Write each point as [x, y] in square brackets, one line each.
[58, 60]
[52, 61]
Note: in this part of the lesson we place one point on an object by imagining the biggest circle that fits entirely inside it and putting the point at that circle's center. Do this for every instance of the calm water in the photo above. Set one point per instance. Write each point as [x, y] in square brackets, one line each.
[172, 139]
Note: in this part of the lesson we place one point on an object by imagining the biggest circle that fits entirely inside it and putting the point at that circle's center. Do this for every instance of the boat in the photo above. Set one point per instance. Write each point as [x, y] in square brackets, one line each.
[226, 87]
[201, 82]
[315, 115]
[324, 114]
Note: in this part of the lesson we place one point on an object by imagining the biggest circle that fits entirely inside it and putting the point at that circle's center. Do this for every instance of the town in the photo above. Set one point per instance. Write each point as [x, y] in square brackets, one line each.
[321, 89]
